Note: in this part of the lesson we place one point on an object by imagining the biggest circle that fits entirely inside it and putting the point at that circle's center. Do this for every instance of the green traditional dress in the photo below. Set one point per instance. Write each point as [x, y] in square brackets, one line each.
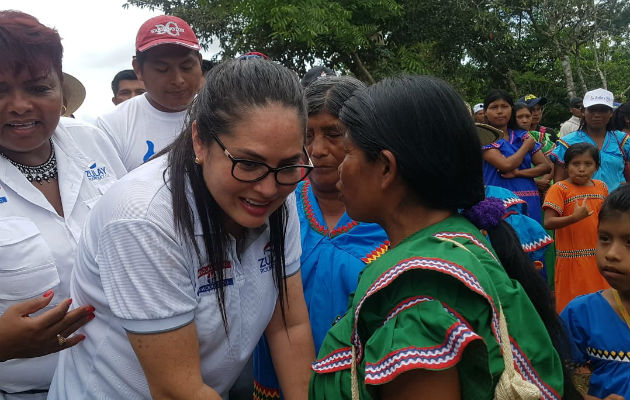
[545, 141]
[429, 304]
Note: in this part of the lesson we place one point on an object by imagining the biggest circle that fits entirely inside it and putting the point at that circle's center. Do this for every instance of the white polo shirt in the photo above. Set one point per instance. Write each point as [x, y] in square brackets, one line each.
[143, 276]
[37, 246]
[138, 130]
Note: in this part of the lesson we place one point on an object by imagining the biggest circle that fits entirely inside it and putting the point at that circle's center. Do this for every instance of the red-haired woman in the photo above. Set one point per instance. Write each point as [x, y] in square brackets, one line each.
[52, 170]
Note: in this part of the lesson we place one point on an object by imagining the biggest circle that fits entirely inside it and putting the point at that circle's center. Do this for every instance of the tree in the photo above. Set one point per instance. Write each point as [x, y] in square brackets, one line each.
[553, 48]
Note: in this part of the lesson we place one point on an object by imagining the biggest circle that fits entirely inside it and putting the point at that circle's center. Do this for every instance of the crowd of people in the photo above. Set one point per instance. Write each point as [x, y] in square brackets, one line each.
[233, 230]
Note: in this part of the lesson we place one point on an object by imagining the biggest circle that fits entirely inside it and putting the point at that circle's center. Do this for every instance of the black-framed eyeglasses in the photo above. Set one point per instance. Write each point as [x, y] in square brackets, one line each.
[253, 171]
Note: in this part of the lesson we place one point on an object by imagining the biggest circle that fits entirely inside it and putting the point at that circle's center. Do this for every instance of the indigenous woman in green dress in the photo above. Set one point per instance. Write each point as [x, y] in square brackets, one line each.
[442, 314]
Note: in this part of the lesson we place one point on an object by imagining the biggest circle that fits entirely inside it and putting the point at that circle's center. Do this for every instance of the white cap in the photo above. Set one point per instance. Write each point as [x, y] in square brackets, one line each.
[598, 96]
[477, 107]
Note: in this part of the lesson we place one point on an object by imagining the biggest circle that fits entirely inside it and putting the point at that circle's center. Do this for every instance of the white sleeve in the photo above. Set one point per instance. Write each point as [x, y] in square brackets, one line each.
[292, 239]
[111, 134]
[145, 278]
[105, 147]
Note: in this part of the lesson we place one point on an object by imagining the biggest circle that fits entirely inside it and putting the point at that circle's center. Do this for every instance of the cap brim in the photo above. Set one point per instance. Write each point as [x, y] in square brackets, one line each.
[487, 134]
[598, 103]
[147, 46]
[73, 93]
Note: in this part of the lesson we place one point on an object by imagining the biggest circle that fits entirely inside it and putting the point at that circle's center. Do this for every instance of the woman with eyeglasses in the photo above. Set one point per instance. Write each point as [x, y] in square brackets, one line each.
[196, 254]
[596, 128]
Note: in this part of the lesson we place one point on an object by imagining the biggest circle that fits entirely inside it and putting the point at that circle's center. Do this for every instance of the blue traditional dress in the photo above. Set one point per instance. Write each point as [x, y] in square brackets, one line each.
[612, 160]
[525, 188]
[533, 237]
[601, 340]
[332, 260]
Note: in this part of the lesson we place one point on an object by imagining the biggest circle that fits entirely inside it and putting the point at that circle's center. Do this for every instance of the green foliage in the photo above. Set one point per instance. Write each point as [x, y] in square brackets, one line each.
[476, 45]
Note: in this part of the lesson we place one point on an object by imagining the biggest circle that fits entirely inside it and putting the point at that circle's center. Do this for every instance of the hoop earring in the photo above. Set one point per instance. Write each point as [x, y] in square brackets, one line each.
[197, 160]
[63, 109]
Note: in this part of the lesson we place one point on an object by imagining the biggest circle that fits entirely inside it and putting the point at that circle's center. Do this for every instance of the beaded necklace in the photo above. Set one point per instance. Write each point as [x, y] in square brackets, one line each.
[38, 173]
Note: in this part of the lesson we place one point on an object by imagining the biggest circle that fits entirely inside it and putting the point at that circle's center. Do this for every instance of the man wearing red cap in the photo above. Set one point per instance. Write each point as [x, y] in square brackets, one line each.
[168, 61]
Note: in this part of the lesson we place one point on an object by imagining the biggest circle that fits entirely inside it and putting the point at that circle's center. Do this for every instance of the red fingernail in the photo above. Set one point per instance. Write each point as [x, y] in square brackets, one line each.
[48, 293]
[69, 301]
[90, 317]
[81, 337]
[90, 309]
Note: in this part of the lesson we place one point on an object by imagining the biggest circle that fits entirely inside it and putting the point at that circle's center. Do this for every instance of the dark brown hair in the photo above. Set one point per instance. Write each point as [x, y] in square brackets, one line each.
[26, 43]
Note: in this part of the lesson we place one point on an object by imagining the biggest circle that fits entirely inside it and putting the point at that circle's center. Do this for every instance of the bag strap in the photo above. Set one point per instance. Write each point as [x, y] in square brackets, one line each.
[511, 385]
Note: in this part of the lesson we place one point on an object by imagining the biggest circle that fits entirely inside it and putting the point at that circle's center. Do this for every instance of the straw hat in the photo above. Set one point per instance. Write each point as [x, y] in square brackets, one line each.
[488, 134]
[73, 94]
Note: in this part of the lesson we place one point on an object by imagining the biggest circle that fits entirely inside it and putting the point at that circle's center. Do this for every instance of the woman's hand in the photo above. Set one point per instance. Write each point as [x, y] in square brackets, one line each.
[529, 142]
[543, 183]
[510, 174]
[581, 211]
[23, 336]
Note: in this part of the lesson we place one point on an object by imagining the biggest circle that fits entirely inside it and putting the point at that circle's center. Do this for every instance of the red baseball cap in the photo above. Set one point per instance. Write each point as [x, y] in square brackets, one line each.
[166, 29]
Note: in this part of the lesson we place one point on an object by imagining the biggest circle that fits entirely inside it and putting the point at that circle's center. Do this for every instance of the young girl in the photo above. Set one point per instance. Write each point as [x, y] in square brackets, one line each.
[571, 208]
[598, 323]
[508, 161]
[522, 117]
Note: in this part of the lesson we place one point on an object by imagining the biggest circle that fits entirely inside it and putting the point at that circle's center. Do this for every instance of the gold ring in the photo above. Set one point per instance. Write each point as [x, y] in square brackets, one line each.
[61, 340]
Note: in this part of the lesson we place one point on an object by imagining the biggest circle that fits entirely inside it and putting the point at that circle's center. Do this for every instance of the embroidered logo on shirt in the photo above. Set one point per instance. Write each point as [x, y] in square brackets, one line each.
[264, 263]
[95, 173]
[207, 282]
[3, 198]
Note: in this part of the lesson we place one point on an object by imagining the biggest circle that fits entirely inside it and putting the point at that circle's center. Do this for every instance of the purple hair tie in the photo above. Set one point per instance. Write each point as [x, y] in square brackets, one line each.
[486, 214]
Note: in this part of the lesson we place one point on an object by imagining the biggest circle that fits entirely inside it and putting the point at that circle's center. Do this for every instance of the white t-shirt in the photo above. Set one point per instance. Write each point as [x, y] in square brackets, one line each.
[37, 246]
[138, 130]
[568, 126]
[143, 276]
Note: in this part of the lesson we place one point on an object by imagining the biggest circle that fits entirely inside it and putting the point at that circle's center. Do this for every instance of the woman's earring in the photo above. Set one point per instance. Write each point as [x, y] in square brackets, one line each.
[197, 160]
[63, 109]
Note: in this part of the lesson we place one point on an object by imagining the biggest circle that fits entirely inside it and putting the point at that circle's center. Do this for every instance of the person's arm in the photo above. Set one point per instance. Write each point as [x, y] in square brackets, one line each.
[420, 384]
[609, 397]
[547, 178]
[23, 336]
[541, 167]
[170, 361]
[291, 347]
[553, 220]
[502, 163]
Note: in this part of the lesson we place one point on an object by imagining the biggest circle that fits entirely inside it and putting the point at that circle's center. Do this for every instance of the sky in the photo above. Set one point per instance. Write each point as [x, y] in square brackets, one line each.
[98, 37]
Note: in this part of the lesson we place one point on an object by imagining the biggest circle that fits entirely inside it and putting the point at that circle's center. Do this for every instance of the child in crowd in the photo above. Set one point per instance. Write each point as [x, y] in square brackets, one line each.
[571, 208]
[598, 324]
